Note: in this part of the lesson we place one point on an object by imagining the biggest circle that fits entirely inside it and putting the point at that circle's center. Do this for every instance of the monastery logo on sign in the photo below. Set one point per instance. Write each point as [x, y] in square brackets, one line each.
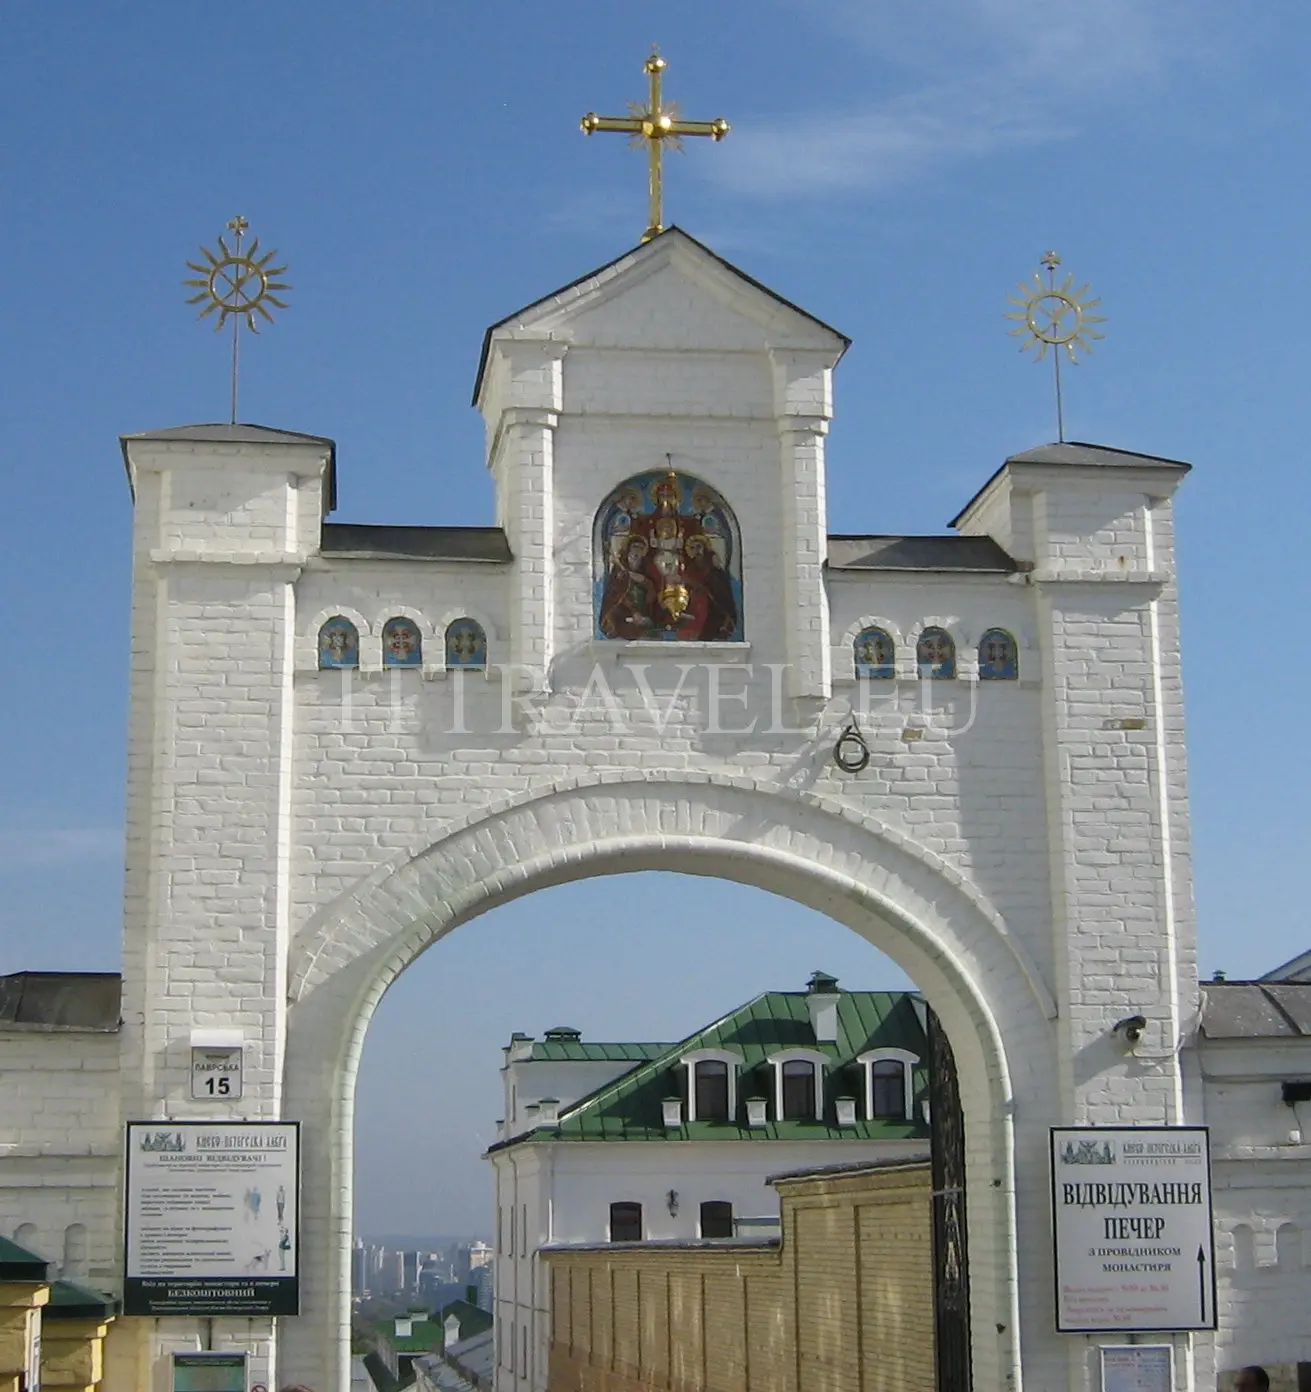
[164, 1140]
[1088, 1153]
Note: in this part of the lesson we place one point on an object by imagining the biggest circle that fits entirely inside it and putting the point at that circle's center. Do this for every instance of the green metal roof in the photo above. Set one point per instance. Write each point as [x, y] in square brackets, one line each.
[425, 1335]
[68, 1300]
[473, 1318]
[18, 1264]
[578, 1051]
[630, 1108]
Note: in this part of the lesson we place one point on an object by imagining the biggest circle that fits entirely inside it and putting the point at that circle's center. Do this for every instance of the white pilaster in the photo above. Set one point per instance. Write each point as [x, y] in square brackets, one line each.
[522, 407]
[223, 525]
[803, 404]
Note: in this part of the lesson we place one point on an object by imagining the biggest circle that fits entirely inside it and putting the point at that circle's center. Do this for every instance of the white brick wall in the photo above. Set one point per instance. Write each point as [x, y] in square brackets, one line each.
[59, 1147]
[1024, 857]
[1261, 1158]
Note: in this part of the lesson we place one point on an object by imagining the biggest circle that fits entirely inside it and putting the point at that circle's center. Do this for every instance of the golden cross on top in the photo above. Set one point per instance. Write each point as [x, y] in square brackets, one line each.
[653, 125]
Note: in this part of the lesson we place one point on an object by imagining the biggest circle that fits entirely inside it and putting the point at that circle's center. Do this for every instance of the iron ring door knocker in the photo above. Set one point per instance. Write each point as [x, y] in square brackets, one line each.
[851, 753]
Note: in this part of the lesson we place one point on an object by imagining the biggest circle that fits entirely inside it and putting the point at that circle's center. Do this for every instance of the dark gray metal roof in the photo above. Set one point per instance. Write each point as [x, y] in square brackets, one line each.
[664, 1244]
[1255, 1010]
[914, 1161]
[672, 232]
[241, 434]
[1299, 969]
[1077, 453]
[61, 1000]
[1096, 456]
[367, 541]
[977, 553]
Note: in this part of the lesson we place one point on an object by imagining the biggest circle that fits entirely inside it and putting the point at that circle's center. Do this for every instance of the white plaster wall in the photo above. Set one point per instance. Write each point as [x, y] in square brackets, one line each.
[526, 1083]
[587, 1178]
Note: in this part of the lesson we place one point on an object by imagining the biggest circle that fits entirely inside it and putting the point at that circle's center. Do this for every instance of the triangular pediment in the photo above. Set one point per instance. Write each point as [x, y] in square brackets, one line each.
[671, 293]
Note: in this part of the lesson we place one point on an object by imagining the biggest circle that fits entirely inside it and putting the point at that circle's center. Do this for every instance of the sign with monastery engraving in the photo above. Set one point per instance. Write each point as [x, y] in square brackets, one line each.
[1137, 1368]
[1132, 1224]
[212, 1218]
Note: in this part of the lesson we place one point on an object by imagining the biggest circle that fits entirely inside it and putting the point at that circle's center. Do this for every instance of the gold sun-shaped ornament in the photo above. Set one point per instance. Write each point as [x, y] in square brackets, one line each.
[1053, 316]
[235, 282]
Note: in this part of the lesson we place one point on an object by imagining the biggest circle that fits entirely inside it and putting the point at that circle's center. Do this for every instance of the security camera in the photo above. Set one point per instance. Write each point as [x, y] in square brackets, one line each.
[1130, 1029]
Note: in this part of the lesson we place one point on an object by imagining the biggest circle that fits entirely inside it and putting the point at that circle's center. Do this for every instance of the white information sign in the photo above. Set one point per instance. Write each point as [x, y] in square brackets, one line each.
[216, 1074]
[1132, 1225]
[34, 1352]
[1137, 1368]
[212, 1218]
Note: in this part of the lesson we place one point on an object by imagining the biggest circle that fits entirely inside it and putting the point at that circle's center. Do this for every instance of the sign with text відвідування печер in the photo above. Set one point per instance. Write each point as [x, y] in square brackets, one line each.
[1131, 1220]
[212, 1218]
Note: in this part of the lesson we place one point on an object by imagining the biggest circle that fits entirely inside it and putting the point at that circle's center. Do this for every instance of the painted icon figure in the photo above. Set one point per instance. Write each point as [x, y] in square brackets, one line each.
[402, 644]
[466, 644]
[339, 643]
[667, 563]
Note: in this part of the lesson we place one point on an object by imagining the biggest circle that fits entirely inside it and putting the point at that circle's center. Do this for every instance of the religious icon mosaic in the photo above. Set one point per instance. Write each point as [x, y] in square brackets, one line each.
[935, 653]
[466, 644]
[875, 654]
[339, 643]
[667, 561]
[999, 659]
[402, 644]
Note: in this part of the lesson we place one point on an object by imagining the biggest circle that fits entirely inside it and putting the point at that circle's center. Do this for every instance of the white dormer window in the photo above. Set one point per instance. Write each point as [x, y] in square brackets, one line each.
[711, 1084]
[799, 1084]
[889, 1083]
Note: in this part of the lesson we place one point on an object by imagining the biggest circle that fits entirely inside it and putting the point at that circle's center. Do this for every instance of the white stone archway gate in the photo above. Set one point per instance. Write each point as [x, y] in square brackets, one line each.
[877, 882]
[297, 836]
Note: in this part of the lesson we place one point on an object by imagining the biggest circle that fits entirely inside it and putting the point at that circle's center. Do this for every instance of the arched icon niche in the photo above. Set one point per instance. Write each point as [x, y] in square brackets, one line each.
[667, 562]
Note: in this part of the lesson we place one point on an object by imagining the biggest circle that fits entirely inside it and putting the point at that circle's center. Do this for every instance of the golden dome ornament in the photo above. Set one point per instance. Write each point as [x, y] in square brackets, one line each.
[239, 284]
[1055, 318]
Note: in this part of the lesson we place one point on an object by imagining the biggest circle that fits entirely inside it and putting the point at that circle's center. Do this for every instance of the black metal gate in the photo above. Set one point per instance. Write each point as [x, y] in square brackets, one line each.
[951, 1267]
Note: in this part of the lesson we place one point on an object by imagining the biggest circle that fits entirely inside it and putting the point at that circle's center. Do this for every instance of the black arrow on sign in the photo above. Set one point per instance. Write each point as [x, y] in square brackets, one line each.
[1201, 1280]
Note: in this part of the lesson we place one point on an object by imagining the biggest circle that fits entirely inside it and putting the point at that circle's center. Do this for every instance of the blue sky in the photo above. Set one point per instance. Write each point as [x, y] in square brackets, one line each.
[895, 167]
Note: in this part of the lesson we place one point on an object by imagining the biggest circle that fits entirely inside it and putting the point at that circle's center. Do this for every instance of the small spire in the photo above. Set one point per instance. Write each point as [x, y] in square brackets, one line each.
[238, 283]
[1056, 317]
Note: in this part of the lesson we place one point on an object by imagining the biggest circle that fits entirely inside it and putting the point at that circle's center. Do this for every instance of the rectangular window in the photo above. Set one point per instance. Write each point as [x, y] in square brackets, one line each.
[798, 1091]
[889, 1088]
[711, 1090]
[716, 1218]
[524, 1230]
[625, 1222]
[525, 1350]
